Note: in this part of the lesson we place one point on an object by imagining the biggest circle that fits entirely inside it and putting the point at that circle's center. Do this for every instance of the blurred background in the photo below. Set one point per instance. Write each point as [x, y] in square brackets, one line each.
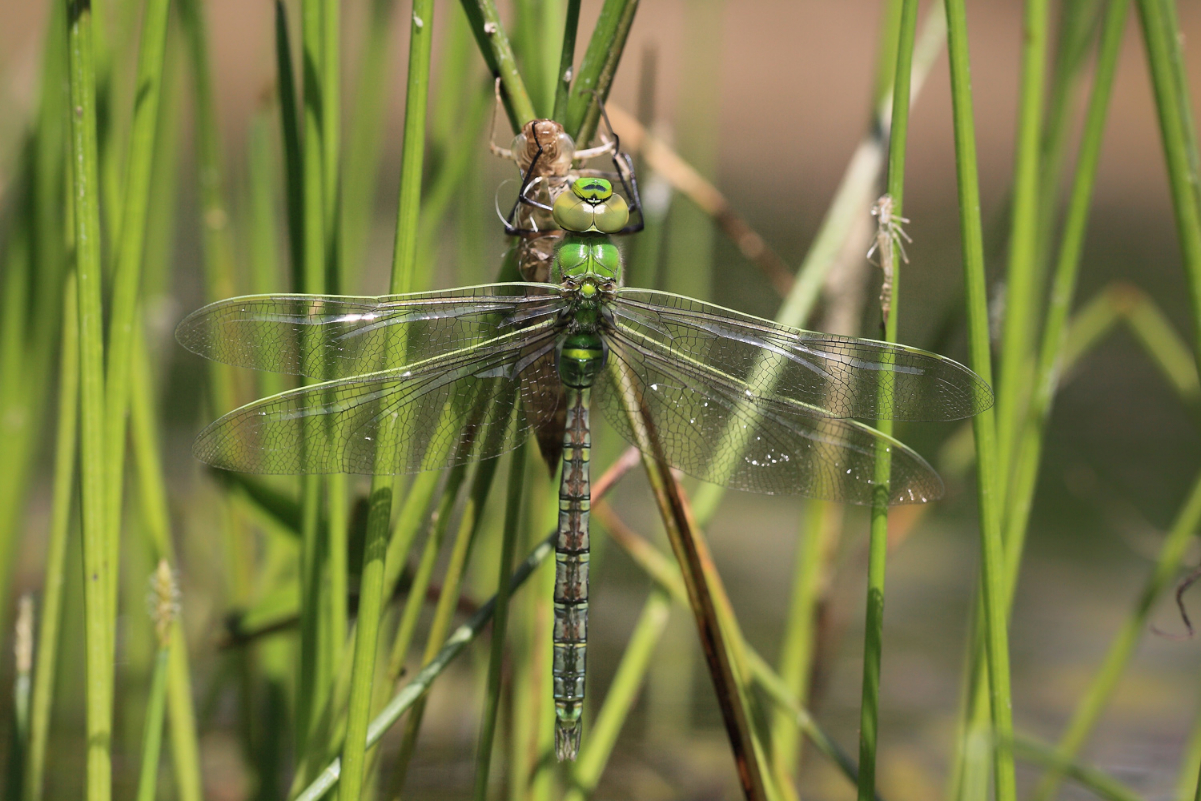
[785, 100]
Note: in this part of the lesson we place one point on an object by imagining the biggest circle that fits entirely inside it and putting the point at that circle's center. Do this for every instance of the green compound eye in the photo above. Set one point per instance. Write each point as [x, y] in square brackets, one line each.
[593, 189]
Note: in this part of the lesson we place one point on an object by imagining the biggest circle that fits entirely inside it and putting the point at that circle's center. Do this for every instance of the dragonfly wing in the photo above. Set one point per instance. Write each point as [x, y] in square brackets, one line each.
[709, 425]
[454, 409]
[331, 336]
[837, 376]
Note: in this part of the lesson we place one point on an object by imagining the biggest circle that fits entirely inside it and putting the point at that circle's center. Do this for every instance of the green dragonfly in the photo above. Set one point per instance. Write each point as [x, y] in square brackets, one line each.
[435, 379]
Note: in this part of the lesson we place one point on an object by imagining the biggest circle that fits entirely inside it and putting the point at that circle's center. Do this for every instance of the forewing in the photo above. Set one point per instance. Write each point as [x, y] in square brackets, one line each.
[331, 336]
[450, 410]
[837, 376]
[705, 423]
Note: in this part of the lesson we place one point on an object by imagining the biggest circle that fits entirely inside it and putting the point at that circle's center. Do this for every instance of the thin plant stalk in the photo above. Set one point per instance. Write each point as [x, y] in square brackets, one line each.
[49, 627]
[379, 516]
[1063, 291]
[165, 600]
[983, 425]
[590, 88]
[1021, 488]
[498, 53]
[1160, 35]
[1021, 292]
[290, 133]
[37, 248]
[452, 646]
[153, 737]
[566, 62]
[869, 710]
[690, 231]
[797, 651]
[448, 598]
[98, 571]
[365, 135]
[513, 495]
[854, 193]
[127, 271]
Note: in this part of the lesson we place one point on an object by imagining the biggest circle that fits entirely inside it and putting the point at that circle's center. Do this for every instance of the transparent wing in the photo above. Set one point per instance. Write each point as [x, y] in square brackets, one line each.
[454, 409]
[837, 376]
[709, 425]
[330, 336]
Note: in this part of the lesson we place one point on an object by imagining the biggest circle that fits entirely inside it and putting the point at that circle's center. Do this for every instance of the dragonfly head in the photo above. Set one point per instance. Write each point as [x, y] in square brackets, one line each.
[591, 207]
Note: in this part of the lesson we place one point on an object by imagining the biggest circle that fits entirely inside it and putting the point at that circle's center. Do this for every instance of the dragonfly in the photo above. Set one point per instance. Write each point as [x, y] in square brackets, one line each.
[432, 380]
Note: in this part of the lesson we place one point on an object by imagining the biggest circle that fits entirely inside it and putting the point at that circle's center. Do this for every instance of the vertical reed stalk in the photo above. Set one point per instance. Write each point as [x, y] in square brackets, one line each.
[869, 711]
[1022, 294]
[1161, 38]
[983, 425]
[98, 572]
[380, 513]
[127, 271]
[566, 62]
[46, 669]
[513, 495]
[591, 86]
[165, 599]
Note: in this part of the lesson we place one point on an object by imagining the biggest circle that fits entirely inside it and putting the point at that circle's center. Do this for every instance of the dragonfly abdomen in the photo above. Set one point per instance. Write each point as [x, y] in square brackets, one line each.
[581, 357]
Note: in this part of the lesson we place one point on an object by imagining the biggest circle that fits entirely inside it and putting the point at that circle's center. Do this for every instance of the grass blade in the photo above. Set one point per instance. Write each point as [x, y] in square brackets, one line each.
[416, 689]
[886, 245]
[983, 425]
[56, 548]
[98, 571]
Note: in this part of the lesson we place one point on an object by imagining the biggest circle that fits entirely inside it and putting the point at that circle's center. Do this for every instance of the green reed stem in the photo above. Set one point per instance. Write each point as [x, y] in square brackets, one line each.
[416, 689]
[152, 496]
[448, 599]
[873, 638]
[595, 76]
[854, 194]
[46, 669]
[98, 571]
[513, 494]
[984, 425]
[498, 53]
[1021, 291]
[379, 517]
[1160, 35]
[1063, 292]
[800, 631]
[424, 574]
[365, 135]
[620, 697]
[153, 736]
[563, 78]
[692, 554]
[130, 248]
[290, 132]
